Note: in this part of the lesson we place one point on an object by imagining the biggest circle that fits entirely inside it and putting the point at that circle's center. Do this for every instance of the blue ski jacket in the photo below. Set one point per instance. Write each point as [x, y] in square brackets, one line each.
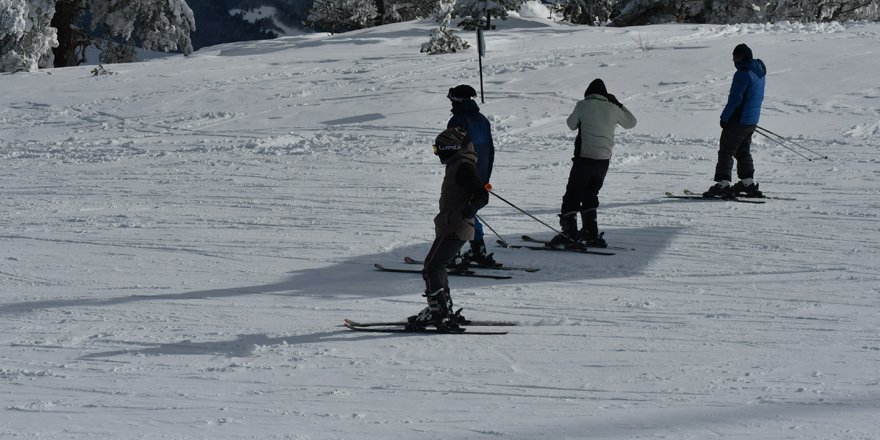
[746, 93]
[466, 114]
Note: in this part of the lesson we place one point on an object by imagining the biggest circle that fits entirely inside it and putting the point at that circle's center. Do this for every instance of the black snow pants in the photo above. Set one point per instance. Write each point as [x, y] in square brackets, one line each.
[736, 143]
[584, 182]
[442, 252]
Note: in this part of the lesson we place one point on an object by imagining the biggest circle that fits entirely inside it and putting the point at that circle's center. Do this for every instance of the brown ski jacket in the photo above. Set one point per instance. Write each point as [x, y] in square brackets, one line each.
[461, 195]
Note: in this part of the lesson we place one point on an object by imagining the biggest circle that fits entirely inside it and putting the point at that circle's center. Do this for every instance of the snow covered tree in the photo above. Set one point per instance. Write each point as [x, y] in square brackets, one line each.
[25, 35]
[482, 11]
[592, 12]
[159, 25]
[443, 40]
[341, 15]
[822, 10]
[397, 11]
[112, 52]
[637, 12]
[640, 12]
[30, 29]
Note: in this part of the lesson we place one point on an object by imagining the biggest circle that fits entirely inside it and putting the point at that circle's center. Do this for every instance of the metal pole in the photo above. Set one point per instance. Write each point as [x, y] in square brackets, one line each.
[506, 244]
[762, 129]
[481, 49]
[784, 146]
[526, 213]
[482, 96]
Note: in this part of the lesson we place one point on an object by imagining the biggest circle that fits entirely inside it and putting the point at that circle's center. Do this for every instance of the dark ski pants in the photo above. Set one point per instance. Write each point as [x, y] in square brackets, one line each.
[442, 252]
[584, 182]
[736, 143]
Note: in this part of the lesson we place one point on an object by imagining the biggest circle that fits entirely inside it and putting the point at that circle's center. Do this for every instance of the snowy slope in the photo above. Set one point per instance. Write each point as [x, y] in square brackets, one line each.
[181, 240]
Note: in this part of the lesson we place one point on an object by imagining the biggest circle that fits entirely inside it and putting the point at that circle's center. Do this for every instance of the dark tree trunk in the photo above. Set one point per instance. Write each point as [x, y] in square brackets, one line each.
[380, 8]
[67, 13]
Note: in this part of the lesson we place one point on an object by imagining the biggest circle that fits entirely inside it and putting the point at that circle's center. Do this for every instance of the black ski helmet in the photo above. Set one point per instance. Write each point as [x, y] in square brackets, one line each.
[461, 93]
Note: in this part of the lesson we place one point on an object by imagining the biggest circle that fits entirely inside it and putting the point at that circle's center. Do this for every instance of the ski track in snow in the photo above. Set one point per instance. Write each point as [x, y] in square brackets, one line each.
[181, 241]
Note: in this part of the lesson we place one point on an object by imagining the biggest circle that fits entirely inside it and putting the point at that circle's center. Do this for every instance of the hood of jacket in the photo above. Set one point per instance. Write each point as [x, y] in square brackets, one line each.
[468, 106]
[755, 66]
[596, 87]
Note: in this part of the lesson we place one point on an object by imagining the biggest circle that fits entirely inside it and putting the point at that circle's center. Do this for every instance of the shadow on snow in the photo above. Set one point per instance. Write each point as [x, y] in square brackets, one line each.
[356, 277]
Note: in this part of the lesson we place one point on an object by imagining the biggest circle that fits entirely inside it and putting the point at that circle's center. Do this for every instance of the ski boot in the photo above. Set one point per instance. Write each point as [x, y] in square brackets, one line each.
[437, 313]
[567, 238]
[458, 264]
[458, 318]
[595, 242]
[477, 256]
[720, 190]
[589, 236]
[743, 189]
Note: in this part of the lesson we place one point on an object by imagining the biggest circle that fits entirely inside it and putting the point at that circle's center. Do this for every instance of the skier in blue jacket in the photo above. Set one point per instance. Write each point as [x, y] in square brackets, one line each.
[466, 114]
[739, 119]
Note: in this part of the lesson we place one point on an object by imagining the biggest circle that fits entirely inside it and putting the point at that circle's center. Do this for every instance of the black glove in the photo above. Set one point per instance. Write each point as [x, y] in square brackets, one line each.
[613, 100]
[723, 124]
[468, 211]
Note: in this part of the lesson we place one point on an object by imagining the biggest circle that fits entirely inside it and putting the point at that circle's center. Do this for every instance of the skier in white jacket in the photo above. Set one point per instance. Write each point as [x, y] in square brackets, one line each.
[595, 117]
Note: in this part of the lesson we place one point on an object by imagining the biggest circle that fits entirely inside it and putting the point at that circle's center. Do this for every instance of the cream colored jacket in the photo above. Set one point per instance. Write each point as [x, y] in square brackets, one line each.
[597, 118]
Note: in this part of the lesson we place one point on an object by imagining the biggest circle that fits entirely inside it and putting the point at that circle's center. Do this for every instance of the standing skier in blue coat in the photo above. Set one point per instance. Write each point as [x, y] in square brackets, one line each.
[466, 114]
[739, 119]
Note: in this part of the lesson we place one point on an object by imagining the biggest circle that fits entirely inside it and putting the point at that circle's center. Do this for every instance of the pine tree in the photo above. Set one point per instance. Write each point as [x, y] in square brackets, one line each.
[30, 28]
[342, 15]
[443, 40]
[638, 12]
[482, 11]
[823, 10]
[592, 12]
[158, 25]
[405, 10]
[26, 38]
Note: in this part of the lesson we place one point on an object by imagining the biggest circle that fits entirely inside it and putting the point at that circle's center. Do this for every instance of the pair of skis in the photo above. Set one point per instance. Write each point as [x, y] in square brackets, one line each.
[401, 327]
[543, 245]
[690, 195]
[409, 260]
[468, 272]
[458, 273]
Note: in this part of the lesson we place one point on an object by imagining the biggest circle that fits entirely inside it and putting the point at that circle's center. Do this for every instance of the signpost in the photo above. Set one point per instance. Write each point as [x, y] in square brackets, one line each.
[481, 49]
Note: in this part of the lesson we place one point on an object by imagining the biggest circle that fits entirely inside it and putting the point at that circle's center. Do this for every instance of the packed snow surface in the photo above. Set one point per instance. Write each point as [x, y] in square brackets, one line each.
[182, 238]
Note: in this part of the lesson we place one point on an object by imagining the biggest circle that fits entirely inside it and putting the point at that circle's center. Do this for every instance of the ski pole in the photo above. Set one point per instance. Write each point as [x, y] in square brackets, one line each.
[783, 145]
[791, 142]
[506, 244]
[762, 130]
[489, 188]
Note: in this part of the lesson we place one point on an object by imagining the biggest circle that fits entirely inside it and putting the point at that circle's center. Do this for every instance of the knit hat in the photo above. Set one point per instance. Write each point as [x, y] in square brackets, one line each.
[461, 93]
[742, 52]
[597, 87]
[449, 142]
